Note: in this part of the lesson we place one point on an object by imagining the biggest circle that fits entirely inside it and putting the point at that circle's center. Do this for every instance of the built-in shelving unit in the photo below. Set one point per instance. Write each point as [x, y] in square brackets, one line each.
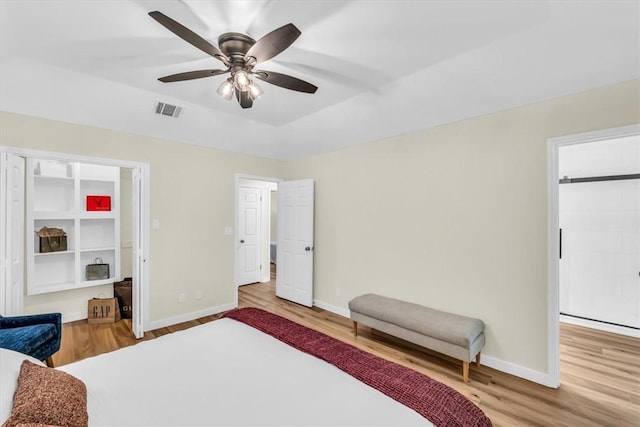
[56, 197]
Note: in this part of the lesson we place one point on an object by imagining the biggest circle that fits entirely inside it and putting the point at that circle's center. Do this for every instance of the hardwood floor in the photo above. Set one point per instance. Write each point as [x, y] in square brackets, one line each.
[600, 372]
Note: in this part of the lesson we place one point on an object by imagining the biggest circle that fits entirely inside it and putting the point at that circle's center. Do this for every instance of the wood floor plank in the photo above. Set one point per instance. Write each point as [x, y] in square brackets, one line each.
[600, 372]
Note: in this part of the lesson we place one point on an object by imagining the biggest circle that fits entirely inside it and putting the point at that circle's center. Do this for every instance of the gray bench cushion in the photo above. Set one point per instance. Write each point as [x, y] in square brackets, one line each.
[452, 328]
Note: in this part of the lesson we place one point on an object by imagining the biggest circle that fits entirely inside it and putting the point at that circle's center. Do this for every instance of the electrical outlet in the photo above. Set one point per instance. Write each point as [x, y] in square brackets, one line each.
[182, 298]
[198, 294]
[337, 291]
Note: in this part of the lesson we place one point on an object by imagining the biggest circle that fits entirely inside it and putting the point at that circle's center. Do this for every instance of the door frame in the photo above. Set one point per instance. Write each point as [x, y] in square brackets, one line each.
[553, 249]
[141, 304]
[236, 192]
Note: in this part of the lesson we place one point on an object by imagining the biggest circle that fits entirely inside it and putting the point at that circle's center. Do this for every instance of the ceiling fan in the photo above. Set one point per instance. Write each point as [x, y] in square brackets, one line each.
[240, 54]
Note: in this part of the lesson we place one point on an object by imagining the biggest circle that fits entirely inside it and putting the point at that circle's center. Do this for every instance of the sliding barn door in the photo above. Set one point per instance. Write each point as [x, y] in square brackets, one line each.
[295, 241]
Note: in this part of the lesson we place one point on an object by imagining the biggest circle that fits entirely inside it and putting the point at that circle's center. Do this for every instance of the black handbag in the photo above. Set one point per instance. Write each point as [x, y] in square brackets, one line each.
[97, 271]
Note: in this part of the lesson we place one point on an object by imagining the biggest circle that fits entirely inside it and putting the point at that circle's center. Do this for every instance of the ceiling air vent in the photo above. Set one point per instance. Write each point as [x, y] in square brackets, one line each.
[168, 109]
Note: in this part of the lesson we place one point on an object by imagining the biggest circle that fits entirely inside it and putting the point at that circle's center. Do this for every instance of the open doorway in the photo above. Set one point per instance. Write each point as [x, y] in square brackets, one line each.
[599, 219]
[256, 229]
[555, 244]
[294, 245]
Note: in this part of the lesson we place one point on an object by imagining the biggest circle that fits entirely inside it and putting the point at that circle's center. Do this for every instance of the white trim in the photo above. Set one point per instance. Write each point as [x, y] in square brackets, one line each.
[614, 329]
[553, 285]
[518, 371]
[187, 317]
[145, 200]
[553, 252]
[54, 155]
[597, 135]
[344, 312]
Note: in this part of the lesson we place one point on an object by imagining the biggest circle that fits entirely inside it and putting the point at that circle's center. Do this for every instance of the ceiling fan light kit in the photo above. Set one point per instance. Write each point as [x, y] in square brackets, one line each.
[240, 54]
[255, 91]
[226, 89]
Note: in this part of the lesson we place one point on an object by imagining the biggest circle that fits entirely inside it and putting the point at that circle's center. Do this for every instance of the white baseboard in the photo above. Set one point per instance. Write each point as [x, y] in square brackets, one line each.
[72, 317]
[157, 324]
[517, 371]
[344, 312]
[615, 329]
[491, 362]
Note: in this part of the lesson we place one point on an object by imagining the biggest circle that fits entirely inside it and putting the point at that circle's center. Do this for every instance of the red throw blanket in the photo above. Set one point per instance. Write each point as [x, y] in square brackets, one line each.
[437, 402]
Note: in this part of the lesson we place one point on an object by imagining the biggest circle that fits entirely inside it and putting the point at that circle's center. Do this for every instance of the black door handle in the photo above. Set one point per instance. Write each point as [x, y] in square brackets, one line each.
[560, 244]
[241, 241]
[308, 248]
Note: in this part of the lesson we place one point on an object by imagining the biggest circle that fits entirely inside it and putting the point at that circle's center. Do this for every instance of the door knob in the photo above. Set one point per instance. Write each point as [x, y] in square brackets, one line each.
[308, 248]
[241, 241]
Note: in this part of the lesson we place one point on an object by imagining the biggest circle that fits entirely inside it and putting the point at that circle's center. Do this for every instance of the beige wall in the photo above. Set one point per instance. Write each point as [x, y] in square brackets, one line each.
[191, 193]
[454, 217]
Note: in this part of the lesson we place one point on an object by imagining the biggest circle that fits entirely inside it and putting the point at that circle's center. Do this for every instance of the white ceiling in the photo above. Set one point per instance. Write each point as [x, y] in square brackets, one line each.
[382, 67]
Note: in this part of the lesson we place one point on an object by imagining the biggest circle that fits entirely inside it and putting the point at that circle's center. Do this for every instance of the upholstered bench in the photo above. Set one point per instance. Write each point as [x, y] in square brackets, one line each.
[456, 336]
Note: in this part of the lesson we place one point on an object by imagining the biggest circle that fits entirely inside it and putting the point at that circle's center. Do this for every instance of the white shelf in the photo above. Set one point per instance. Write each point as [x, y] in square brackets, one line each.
[50, 178]
[53, 215]
[89, 283]
[37, 254]
[59, 201]
[98, 249]
[97, 214]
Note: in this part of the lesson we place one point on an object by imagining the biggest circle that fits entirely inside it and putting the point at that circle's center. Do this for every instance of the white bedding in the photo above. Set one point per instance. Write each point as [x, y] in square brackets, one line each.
[227, 373]
[10, 362]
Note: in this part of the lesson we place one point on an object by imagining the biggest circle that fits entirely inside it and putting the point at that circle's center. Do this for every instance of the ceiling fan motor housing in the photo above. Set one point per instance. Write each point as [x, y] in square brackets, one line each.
[235, 46]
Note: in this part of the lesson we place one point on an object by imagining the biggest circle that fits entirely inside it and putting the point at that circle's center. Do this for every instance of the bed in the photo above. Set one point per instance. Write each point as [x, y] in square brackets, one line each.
[249, 368]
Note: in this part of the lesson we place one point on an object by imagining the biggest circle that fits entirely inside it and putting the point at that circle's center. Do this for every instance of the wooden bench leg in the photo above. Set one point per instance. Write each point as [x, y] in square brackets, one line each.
[465, 371]
[50, 362]
[478, 360]
[355, 328]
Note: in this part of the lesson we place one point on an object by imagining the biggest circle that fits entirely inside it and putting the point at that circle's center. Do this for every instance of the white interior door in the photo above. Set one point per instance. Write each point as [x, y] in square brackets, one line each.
[249, 232]
[12, 226]
[295, 241]
[139, 257]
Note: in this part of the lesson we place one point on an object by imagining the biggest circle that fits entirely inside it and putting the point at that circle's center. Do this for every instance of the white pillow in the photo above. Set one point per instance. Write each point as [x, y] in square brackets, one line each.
[10, 362]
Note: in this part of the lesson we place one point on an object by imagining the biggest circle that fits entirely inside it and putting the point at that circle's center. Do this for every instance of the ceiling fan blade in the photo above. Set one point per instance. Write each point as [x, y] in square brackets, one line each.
[273, 43]
[189, 36]
[285, 81]
[190, 75]
[244, 99]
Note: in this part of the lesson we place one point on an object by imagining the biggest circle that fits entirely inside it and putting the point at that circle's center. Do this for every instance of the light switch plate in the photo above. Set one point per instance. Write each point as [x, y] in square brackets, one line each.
[155, 224]
[228, 231]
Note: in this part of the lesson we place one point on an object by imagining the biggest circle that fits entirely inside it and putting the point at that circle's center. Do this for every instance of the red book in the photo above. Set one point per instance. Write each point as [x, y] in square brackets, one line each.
[98, 203]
